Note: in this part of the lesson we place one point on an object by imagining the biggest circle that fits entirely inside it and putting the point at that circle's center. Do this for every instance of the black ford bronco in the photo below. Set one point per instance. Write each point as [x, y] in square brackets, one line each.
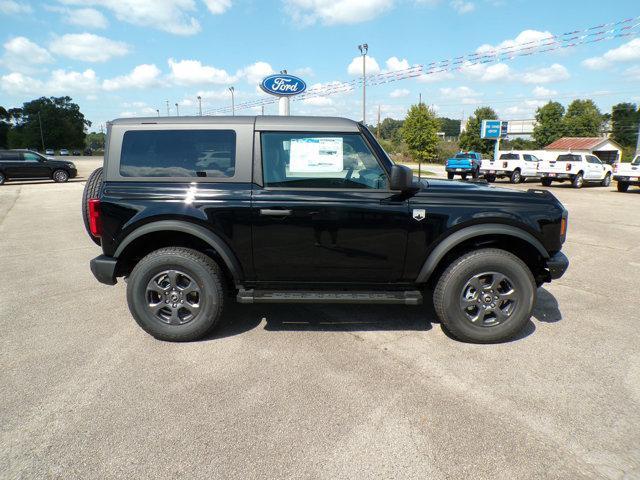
[194, 211]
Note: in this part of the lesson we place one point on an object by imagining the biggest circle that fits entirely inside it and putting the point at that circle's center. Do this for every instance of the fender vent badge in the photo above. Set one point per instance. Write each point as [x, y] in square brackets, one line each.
[419, 214]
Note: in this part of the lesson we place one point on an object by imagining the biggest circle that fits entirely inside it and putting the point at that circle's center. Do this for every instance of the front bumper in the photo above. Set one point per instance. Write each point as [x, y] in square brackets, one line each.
[104, 269]
[557, 265]
[73, 173]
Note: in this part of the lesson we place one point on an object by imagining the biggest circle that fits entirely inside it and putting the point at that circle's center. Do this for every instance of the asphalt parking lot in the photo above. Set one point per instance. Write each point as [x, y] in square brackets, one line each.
[314, 391]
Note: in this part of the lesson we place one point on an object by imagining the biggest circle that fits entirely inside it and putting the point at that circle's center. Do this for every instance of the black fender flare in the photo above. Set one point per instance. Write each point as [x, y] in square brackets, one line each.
[467, 233]
[207, 236]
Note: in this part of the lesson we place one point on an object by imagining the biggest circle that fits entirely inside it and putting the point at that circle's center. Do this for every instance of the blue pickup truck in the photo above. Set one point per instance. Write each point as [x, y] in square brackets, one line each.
[463, 164]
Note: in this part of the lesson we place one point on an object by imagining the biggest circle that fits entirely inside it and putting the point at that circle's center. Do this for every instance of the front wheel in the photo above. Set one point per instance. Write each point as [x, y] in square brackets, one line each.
[623, 186]
[485, 296]
[450, 175]
[578, 181]
[60, 176]
[607, 180]
[546, 182]
[176, 294]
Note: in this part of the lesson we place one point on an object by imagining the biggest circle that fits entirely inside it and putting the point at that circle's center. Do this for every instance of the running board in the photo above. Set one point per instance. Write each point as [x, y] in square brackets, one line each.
[410, 297]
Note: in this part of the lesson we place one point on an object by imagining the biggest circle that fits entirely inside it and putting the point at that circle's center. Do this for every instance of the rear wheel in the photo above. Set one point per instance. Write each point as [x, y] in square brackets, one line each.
[91, 190]
[516, 177]
[450, 175]
[176, 294]
[578, 181]
[60, 176]
[546, 181]
[464, 176]
[475, 173]
[485, 296]
[490, 178]
[607, 180]
[623, 186]
[2, 178]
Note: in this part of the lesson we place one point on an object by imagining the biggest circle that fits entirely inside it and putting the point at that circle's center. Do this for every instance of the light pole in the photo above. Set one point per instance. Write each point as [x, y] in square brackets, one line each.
[364, 48]
[158, 111]
[200, 104]
[233, 102]
[41, 135]
[167, 107]
[177, 110]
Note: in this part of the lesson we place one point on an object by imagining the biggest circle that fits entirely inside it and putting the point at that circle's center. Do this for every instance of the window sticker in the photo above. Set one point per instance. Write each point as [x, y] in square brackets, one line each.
[316, 155]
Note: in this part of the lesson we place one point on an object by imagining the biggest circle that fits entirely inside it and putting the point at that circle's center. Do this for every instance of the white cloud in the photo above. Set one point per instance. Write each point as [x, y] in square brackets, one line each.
[11, 7]
[394, 64]
[628, 52]
[333, 12]
[193, 72]
[435, 77]
[304, 72]
[17, 83]
[462, 6]
[173, 16]
[88, 47]
[70, 83]
[458, 92]
[554, 73]
[487, 73]
[400, 93]
[524, 37]
[86, 17]
[142, 76]
[221, 94]
[255, 72]
[23, 55]
[355, 67]
[544, 92]
[218, 7]
[318, 101]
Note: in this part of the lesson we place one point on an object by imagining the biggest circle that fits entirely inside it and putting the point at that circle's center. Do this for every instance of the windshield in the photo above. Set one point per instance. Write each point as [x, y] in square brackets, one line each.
[464, 155]
[636, 161]
[568, 158]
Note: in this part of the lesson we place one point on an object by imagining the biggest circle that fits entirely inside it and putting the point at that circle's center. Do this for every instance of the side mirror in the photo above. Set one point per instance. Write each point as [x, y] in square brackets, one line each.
[401, 178]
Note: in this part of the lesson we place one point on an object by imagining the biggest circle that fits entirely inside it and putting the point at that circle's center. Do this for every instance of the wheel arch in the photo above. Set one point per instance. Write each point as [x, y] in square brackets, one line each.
[162, 233]
[510, 238]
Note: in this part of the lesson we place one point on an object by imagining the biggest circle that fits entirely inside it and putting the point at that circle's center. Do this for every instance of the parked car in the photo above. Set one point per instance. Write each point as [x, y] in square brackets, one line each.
[26, 164]
[76, 153]
[307, 210]
[627, 174]
[463, 164]
[49, 151]
[516, 166]
[576, 168]
[88, 152]
[64, 152]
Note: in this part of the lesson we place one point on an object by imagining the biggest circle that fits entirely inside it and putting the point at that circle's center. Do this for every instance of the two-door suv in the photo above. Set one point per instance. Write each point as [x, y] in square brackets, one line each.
[194, 211]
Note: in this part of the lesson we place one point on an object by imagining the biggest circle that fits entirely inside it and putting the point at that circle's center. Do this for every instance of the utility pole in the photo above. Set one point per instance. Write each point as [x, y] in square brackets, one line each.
[364, 48]
[378, 129]
[419, 99]
[177, 110]
[262, 110]
[233, 101]
[200, 104]
[41, 134]
[168, 108]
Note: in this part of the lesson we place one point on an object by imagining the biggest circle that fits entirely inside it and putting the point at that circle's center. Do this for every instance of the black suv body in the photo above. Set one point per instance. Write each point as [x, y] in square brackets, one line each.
[27, 164]
[308, 209]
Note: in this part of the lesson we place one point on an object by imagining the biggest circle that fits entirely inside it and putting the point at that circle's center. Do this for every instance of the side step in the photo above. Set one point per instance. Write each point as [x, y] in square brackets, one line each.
[410, 297]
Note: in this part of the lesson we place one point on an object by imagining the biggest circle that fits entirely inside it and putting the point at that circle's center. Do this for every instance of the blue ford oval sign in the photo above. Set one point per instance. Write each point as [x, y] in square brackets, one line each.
[283, 85]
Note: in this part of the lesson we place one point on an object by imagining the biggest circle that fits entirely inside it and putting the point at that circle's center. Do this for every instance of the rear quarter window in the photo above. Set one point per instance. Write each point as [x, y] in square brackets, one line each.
[178, 153]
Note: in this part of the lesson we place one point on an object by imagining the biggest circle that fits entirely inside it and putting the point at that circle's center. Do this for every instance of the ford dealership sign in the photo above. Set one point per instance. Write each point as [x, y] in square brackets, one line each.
[283, 85]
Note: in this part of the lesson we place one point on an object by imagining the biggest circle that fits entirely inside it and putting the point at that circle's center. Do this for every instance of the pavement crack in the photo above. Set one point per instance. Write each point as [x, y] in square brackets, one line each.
[13, 204]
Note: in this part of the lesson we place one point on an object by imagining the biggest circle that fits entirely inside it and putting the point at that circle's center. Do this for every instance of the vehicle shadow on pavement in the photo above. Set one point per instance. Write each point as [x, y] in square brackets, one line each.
[50, 182]
[546, 308]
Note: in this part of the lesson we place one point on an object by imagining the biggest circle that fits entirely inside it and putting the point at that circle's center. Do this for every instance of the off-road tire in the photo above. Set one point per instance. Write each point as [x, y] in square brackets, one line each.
[60, 176]
[623, 186]
[446, 296]
[578, 181]
[199, 267]
[607, 180]
[91, 190]
[450, 175]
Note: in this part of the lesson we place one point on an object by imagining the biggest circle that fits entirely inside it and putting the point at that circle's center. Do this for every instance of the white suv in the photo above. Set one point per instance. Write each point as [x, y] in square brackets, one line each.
[627, 174]
[517, 166]
[576, 168]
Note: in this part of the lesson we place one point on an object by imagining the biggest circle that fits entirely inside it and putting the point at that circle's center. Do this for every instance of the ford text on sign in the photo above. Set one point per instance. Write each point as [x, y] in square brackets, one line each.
[283, 85]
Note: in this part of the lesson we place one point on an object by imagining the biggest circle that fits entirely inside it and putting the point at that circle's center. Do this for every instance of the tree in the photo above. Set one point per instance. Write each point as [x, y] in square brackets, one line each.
[583, 119]
[420, 132]
[518, 144]
[624, 124]
[390, 130]
[95, 140]
[470, 138]
[62, 124]
[5, 126]
[449, 126]
[549, 126]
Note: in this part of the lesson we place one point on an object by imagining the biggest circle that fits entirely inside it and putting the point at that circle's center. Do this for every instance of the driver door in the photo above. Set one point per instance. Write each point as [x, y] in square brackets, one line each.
[34, 166]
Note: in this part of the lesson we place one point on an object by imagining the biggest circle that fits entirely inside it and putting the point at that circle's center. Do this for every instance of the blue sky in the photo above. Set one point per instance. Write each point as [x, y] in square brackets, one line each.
[128, 57]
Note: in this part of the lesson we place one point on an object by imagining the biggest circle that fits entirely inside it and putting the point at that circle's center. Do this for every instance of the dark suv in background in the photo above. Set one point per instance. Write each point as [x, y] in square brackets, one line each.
[307, 210]
[26, 164]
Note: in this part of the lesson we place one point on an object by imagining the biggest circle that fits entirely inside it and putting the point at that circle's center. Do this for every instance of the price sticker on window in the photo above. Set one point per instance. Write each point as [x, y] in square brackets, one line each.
[316, 155]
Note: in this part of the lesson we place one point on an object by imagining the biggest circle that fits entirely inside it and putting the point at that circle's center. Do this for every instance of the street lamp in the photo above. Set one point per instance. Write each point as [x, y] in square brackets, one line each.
[233, 102]
[364, 48]
[177, 110]
[158, 111]
[200, 104]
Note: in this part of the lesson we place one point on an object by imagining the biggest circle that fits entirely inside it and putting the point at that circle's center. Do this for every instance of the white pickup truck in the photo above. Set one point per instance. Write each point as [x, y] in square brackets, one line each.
[516, 166]
[576, 168]
[627, 174]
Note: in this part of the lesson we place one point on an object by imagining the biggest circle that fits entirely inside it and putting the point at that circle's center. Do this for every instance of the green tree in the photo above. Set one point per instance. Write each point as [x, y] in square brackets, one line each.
[95, 140]
[625, 118]
[583, 119]
[390, 130]
[5, 126]
[420, 132]
[62, 123]
[549, 126]
[470, 138]
[518, 144]
[450, 126]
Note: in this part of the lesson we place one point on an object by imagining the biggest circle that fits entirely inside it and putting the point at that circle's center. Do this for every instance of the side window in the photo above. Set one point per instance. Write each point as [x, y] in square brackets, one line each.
[527, 158]
[30, 157]
[178, 153]
[593, 159]
[319, 160]
[11, 156]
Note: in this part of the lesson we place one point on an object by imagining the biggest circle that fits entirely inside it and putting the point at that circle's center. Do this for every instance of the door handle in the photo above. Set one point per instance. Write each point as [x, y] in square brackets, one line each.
[275, 212]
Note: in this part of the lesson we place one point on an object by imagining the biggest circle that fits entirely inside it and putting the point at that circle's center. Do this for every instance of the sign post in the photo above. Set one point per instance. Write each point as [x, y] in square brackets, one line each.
[284, 86]
[494, 130]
